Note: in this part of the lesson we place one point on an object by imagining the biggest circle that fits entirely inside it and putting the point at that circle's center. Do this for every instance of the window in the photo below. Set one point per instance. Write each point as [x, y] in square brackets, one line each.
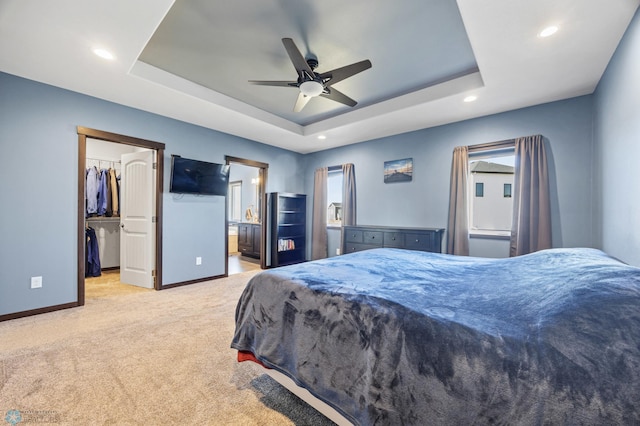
[507, 190]
[491, 178]
[235, 201]
[334, 198]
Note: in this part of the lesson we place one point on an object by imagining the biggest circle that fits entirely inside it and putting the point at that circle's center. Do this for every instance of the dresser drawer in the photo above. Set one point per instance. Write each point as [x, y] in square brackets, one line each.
[372, 237]
[422, 242]
[354, 247]
[394, 239]
[353, 236]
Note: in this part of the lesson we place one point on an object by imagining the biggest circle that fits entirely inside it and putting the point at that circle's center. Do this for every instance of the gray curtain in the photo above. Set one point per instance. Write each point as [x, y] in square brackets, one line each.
[458, 226]
[348, 195]
[319, 248]
[531, 227]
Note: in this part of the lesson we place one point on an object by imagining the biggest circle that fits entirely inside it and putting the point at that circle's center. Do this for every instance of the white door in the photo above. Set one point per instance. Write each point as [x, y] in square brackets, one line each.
[137, 208]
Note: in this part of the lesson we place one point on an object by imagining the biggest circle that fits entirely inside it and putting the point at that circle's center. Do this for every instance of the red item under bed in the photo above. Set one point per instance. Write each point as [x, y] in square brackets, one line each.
[248, 356]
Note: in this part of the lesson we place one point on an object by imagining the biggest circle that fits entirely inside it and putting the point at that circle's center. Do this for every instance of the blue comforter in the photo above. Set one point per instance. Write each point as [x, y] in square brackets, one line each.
[399, 337]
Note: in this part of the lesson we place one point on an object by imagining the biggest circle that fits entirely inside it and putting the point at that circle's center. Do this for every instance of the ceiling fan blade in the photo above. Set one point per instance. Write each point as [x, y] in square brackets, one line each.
[275, 83]
[337, 96]
[301, 102]
[340, 74]
[296, 57]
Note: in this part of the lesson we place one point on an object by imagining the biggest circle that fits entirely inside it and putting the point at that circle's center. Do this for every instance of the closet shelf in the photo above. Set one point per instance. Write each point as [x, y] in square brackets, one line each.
[103, 219]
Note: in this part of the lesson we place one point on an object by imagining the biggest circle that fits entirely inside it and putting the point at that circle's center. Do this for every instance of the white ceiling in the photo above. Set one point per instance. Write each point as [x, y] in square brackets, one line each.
[191, 59]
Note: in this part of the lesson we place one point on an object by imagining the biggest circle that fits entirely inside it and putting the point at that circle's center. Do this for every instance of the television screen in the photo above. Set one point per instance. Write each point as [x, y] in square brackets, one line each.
[198, 177]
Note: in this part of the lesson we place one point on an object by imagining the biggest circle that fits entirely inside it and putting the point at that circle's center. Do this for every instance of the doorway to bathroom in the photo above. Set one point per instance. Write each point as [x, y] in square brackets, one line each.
[245, 214]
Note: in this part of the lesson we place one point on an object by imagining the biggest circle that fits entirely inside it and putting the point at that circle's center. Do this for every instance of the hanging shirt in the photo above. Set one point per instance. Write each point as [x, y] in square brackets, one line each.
[109, 211]
[114, 193]
[102, 193]
[91, 193]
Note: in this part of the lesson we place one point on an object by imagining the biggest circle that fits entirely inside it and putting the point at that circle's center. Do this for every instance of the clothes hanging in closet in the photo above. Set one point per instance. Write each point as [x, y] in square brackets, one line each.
[102, 191]
[92, 254]
[92, 191]
[115, 192]
[109, 208]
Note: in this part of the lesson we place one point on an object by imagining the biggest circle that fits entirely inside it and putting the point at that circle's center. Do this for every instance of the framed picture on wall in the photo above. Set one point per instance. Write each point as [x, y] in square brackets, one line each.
[398, 170]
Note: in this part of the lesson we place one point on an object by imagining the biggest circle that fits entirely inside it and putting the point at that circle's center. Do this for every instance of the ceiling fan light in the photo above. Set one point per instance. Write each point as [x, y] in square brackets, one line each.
[311, 88]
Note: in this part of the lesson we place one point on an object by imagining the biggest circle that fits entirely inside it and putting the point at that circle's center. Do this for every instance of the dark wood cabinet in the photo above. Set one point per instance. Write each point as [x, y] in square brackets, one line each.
[358, 238]
[288, 228]
[249, 237]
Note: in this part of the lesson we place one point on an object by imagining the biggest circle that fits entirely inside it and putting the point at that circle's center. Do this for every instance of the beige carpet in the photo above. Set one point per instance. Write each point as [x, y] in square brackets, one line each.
[150, 358]
[108, 285]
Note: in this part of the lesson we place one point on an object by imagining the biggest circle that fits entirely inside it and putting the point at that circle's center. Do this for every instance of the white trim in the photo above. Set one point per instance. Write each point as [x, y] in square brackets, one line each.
[485, 233]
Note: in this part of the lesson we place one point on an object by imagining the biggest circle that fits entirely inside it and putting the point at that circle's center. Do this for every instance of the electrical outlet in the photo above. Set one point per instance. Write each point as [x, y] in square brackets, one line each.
[36, 282]
[198, 260]
[338, 251]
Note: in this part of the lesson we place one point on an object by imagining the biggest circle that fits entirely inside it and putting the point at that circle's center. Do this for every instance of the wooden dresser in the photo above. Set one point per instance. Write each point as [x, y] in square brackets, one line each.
[357, 238]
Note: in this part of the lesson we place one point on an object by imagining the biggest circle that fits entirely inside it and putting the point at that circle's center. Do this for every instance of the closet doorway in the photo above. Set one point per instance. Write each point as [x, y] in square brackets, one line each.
[119, 236]
[246, 214]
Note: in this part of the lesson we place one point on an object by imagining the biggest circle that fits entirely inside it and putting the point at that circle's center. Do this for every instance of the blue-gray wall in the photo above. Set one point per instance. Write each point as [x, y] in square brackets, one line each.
[39, 185]
[423, 202]
[617, 150]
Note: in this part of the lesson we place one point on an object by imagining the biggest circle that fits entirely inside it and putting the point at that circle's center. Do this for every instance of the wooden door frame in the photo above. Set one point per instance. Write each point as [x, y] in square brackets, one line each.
[263, 172]
[83, 134]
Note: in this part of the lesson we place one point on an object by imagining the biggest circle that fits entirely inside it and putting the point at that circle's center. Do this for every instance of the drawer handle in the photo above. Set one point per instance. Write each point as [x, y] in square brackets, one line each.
[373, 237]
[417, 240]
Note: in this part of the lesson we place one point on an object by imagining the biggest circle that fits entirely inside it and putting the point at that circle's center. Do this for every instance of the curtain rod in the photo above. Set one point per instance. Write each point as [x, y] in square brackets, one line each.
[507, 143]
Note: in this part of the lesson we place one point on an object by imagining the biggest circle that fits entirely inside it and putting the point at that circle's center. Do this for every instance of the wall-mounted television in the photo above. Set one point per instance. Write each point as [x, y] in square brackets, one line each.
[198, 177]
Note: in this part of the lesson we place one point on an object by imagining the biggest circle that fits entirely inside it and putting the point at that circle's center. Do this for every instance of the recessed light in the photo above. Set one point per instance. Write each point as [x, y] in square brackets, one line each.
[322, 137]
[104, 54]
[549, 31]
[470, 98]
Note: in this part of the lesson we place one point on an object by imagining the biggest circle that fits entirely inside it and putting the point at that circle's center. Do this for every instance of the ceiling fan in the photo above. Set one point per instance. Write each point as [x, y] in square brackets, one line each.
[312, 84]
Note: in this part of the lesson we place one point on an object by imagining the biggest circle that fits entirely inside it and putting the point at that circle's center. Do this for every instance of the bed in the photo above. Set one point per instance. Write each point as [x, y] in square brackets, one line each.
[391, 336]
